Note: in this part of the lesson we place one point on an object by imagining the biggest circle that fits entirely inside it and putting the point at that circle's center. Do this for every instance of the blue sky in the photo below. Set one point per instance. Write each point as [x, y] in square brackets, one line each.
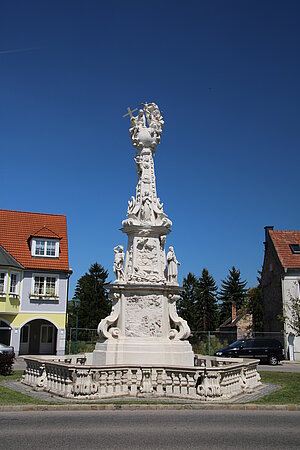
[226, 76]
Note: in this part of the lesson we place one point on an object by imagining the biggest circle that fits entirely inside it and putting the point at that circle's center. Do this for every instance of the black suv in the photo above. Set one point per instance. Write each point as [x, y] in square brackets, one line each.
[269, 350]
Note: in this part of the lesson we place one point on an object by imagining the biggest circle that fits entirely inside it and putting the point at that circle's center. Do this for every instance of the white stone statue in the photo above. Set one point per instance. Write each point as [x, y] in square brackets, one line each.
[172, 266]
[118, 263]
[143, 136]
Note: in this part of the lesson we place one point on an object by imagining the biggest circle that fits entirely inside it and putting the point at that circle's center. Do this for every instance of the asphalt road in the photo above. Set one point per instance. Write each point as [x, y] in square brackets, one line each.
[242, 430]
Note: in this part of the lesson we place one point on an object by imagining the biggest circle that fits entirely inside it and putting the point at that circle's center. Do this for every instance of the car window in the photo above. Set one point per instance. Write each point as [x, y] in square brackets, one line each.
[236, 343]
[248, 344]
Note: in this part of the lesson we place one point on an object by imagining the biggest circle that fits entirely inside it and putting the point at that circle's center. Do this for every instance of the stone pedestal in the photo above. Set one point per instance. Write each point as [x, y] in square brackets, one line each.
[144, 328]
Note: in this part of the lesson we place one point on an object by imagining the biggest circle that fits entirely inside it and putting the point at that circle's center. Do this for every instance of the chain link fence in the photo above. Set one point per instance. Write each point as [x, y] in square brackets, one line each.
[203, 342]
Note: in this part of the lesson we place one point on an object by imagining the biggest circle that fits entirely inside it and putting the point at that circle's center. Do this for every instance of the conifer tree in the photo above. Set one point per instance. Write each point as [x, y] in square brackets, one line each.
[255, 305]
[233, 289]
[186, 304]
[206, 302]
[94, 303]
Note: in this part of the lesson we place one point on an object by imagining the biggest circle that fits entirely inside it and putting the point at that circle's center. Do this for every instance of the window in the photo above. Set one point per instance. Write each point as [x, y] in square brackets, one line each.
[2, 282]
[295, 248]
[39, 285]
[40, 248]
[45, 286]
[13, 285]
[47, 334]
[50, 286]
[48, 248]
[25, 334]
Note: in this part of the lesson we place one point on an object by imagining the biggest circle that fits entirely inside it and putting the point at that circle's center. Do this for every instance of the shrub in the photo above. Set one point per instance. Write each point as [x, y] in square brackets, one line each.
[6, 363]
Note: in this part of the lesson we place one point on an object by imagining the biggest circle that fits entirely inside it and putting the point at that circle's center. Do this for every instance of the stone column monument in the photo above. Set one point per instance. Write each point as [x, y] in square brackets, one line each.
[143, 326]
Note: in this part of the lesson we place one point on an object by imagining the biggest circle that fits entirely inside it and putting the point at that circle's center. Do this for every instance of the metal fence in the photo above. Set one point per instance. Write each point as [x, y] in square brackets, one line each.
[203, 342]
[85, 342]
[207, 342]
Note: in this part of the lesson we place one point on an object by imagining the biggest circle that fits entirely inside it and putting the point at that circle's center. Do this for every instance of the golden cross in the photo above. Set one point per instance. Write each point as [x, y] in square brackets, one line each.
[130, 112]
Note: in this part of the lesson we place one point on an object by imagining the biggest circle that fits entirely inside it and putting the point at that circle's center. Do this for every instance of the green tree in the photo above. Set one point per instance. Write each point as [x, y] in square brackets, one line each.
[292, 318]
[233, 289]
[186, 304]
[94, 303]
[206, 306]
[255, 305]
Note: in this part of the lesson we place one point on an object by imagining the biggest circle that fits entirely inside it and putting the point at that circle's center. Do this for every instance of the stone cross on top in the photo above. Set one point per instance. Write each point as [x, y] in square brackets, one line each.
[130, 111]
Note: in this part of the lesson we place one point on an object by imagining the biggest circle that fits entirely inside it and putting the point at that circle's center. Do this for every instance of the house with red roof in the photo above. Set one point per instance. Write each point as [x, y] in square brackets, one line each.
[280, 284]
[34, 281]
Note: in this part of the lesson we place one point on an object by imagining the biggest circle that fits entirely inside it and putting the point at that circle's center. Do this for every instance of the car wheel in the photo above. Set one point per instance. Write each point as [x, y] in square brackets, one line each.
[273, 360]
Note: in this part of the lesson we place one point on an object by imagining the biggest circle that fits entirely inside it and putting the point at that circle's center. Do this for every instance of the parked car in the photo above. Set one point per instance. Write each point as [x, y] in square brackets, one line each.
[269, 350]
[7, 349]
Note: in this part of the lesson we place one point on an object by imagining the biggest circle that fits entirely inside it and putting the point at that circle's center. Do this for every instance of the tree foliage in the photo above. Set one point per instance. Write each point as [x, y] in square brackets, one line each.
[293, 318]
[206, 302]
[255, 305]
[186, 305]
[94, 303]
[233, 289]
[198, 302]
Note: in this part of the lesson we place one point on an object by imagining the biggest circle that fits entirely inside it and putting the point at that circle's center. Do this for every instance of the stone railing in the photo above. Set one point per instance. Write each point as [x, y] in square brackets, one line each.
[76, 380]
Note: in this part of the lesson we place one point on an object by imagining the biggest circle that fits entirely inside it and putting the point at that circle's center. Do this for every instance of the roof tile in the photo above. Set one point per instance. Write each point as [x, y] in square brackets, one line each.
[282, 241]
[16, 228]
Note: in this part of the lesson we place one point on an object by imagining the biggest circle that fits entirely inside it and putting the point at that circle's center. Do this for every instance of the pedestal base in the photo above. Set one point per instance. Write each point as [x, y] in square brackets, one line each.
[144, 352]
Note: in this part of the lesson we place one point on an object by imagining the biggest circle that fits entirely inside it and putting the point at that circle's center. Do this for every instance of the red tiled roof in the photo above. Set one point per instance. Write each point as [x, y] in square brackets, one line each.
[282, 241]
[45, 233]
[17, 227]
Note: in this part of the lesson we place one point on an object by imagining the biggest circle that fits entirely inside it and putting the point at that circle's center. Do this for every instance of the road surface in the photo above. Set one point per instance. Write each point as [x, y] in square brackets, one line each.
[242, 430]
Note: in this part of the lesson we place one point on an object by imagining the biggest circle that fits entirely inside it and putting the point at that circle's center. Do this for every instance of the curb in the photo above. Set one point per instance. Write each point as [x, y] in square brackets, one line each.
[149, 407]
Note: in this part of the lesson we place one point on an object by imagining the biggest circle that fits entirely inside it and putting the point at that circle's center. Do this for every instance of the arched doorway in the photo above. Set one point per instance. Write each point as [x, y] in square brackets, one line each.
[38, 337]
[5, 332]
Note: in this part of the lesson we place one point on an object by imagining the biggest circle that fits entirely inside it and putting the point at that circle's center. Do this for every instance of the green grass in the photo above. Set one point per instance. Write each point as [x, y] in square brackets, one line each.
[11, 397]
[289, 392]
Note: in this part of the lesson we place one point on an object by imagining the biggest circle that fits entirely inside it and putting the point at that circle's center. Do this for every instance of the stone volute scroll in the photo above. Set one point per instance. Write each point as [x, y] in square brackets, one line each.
[181, 330]
[105, 328]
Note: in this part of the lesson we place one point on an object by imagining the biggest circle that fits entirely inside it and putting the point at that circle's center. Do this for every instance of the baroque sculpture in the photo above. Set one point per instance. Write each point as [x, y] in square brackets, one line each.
[144, 325]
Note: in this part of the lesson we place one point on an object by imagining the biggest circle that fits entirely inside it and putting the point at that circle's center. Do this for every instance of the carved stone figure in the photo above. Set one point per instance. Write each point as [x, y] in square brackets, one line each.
[172, 266]
[119, 262]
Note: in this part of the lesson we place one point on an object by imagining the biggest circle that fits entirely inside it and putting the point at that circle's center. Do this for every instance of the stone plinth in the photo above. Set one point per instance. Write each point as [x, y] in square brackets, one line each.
[144, 328]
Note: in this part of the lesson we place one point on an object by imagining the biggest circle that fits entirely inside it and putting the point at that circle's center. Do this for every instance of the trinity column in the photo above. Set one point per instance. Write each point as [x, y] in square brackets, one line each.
[143, 326]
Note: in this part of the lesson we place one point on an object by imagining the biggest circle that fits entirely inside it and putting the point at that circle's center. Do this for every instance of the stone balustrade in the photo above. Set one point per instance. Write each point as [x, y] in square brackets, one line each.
[69, 377]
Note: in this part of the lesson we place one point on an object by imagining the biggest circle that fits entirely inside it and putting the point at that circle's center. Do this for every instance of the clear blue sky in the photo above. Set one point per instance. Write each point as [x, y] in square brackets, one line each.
[226, 75]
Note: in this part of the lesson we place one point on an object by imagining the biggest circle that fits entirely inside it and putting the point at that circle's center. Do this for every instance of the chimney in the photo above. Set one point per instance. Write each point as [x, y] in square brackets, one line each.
[233, 311]
[267, 229]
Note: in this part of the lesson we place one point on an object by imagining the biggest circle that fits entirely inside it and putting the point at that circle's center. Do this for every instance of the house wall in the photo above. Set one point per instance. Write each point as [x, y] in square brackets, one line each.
[53, 311]
[290, 289]
[43, 305]
[271, 288]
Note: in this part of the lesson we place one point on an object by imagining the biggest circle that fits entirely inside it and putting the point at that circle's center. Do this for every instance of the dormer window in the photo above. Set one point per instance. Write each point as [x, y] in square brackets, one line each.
[46, 248]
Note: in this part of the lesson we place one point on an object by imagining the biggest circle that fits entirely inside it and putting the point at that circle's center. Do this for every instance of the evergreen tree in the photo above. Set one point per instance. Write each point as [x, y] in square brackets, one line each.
[255, 305]
[206, 302]
[233, 289]
[186, 304]
[94, 303]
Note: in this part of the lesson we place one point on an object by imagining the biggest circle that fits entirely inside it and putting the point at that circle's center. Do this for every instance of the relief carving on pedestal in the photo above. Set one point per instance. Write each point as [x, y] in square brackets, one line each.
[143, 316]
[146, 265]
